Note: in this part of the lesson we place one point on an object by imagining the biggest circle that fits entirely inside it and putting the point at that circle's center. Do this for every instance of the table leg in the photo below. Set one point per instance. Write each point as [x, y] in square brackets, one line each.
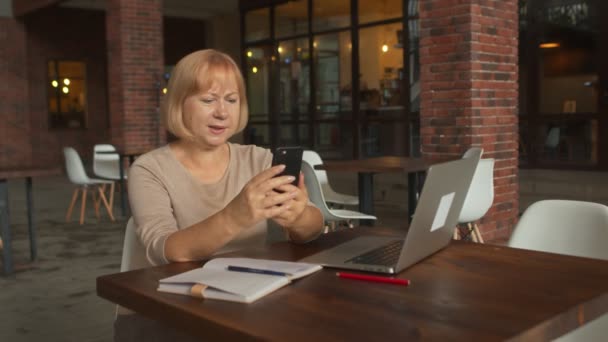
[5, 231]
[123, 193]
[30, 218]
[366, 196]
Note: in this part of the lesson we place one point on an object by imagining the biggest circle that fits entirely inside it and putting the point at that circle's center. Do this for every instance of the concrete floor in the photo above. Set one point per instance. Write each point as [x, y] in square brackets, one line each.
[54, 298]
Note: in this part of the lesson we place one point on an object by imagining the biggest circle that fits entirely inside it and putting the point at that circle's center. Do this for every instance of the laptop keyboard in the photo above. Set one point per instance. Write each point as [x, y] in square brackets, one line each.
[386, 255]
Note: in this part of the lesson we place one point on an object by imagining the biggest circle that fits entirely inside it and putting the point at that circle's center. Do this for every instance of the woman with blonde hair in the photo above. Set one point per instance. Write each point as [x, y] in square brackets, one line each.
[201, 195]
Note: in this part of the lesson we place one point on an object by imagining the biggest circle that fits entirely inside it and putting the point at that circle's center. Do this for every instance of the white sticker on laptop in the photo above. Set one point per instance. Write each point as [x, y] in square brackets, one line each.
[442, 211]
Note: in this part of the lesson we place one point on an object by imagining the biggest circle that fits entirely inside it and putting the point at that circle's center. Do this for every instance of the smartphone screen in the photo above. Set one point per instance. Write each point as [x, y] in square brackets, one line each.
[292, 158]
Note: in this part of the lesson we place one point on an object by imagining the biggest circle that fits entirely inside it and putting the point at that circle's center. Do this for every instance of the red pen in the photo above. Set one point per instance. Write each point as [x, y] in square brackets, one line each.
[377, 279]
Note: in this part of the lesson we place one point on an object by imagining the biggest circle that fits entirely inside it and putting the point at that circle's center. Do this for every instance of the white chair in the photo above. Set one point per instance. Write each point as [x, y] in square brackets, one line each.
[77, 175]
[567, 227]
[479, 199]
[106, 165]
[132, 250]
[316, 196]
[331, 196]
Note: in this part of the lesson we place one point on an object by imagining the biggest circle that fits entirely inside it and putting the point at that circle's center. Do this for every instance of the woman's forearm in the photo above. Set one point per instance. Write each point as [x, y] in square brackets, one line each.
[308, 226]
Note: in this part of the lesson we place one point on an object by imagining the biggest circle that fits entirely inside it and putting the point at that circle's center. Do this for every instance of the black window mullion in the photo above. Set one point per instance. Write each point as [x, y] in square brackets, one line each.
[405, 81]
[354, 38]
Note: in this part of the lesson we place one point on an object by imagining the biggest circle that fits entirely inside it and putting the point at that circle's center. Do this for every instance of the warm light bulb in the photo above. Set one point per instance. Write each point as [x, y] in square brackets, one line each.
[280, 49]
[314, 44]
[65, 90]
[249, 54]
[164, 90]
[550, 45]
[384, 48]
[66, 81]
[55, 84]
[254, 70]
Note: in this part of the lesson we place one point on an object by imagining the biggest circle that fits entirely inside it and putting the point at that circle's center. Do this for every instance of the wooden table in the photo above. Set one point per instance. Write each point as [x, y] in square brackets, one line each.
[122, 156]
[465, 292]
[366, 168]
[27, 172]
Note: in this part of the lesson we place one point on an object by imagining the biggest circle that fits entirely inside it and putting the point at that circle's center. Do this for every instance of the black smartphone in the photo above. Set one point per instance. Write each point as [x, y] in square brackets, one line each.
[292, 158]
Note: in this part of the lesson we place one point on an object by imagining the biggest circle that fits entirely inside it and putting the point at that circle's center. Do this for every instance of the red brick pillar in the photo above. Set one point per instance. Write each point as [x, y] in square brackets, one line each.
[135, 66]
[15, 145]
[469, 92]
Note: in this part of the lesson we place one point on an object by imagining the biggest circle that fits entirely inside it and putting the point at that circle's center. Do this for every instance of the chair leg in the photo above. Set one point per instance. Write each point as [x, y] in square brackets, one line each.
[105, 202]
[112, 194]
[478, 233]
[83, 204]
[472, 232]
[68, 215]
[456, 234]
[96, 201]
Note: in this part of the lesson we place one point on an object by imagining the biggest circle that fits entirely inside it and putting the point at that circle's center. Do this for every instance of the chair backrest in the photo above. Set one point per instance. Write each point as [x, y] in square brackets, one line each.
[563, 226]
[552, 139]
[127, 250]
[106, 165]
[473, 152]
[313, 158]
[314, 189]
[132, 250]
[481, 193]
[74, 167]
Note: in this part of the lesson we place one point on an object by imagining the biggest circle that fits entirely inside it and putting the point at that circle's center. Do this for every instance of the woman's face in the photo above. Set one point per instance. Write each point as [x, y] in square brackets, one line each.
[213, 115]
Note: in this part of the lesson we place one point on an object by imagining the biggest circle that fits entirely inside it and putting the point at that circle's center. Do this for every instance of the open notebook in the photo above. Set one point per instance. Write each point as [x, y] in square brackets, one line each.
[214, 280]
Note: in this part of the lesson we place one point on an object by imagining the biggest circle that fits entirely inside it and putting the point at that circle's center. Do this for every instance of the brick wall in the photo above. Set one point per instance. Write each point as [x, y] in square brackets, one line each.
[469, 75]
[135, 66]
[15, 148]
[79, 36]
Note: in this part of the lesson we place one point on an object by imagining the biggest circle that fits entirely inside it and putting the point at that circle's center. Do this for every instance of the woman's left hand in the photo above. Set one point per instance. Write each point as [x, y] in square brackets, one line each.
[297, 205]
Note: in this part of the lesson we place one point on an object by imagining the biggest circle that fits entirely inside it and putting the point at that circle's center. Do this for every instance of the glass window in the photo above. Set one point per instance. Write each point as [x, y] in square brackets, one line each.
[334, 140]
[570, 141]
[258, 81]
[257, 24]
[67, 96]
[379, 139]
[374, 10]
[294, 135]
[291, 18]
[294, 83]
[327, 15]
[258, 135]
[333, 83]
[381, 71]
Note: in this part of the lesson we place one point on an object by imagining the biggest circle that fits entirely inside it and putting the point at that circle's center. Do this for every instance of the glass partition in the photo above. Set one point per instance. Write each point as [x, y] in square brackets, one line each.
[333, 83]
[291, 18]
[376, 10]
[258, 62]
[381, 71]
[294, 78]
[67, 94]
[257, 24]
[327, 15]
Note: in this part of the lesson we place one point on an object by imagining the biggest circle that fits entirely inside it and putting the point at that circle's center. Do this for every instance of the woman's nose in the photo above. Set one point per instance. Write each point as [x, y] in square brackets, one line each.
[221, 110]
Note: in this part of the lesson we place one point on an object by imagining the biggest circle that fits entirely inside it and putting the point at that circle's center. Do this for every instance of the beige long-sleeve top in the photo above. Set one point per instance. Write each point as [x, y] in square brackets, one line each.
[165, 197]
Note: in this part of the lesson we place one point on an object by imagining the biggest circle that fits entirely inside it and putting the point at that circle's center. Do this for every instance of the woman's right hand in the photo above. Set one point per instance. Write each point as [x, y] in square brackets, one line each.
[258, 200]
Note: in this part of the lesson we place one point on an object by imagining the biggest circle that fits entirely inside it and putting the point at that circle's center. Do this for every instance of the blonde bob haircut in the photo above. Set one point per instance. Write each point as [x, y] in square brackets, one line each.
[197, 73]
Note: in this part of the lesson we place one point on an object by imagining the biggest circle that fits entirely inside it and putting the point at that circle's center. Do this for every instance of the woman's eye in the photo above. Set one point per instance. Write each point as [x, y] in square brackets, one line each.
[232, 100]
[208, 101]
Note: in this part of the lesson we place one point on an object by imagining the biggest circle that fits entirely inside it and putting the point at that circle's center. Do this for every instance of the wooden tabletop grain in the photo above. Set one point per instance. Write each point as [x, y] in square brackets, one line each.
[464, 292]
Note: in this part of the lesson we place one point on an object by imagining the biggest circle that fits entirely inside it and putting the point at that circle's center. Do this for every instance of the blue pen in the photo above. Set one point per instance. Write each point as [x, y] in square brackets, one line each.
[256, 270]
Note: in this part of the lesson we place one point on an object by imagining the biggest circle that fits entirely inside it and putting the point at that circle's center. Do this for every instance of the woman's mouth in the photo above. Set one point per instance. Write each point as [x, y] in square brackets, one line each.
[217, 129]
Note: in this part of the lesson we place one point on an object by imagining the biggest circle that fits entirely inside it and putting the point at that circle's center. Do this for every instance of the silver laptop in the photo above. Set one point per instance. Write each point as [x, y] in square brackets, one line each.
[432, 227]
